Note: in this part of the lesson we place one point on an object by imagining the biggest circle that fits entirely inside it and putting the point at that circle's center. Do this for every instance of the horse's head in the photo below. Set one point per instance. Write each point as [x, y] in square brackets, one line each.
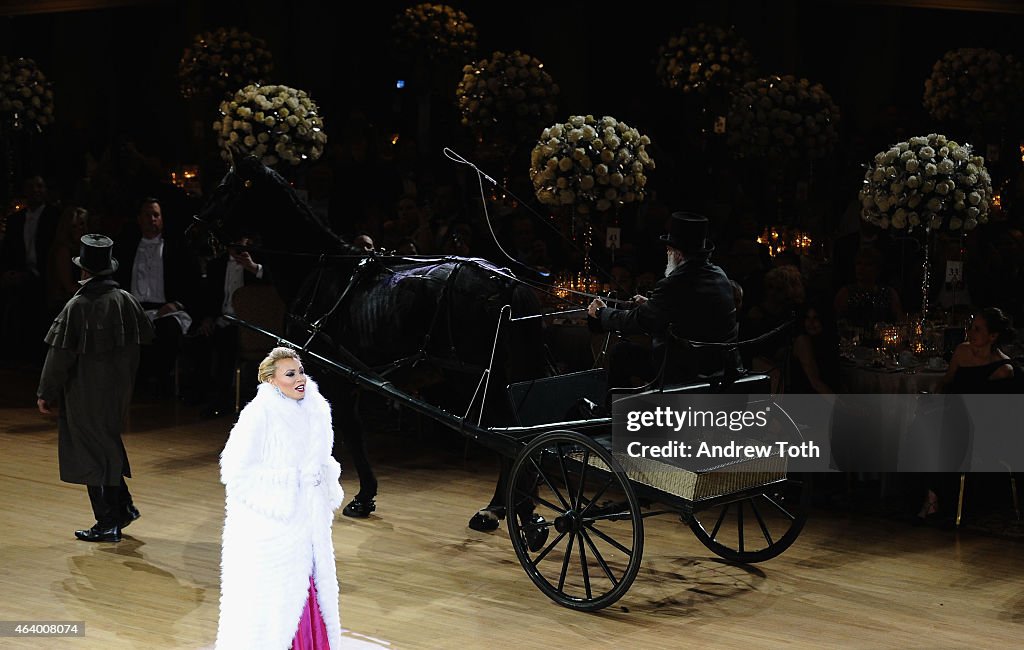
[234, 208]
[254, 200]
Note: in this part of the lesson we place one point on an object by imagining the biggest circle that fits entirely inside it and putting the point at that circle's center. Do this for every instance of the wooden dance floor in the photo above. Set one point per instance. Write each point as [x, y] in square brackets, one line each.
[414, 576]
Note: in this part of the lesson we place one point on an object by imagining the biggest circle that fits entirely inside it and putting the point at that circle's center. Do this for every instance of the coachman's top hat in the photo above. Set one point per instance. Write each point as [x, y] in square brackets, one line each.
[688, 232]
[96, 255]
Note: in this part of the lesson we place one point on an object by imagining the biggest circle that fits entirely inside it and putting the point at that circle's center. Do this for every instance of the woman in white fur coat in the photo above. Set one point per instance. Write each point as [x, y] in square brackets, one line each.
[279, 585]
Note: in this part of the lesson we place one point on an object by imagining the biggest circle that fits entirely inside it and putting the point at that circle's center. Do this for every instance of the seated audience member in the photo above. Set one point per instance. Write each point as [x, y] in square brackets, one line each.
[622, 281]
[978, 366]
[159, 272]
[224, 276]
[62, 275]
[865, 301]
[364, 241]
[781, 295]
[737, 295]
[458, 239]
[814, 366]
[410, 222]
[24, 256]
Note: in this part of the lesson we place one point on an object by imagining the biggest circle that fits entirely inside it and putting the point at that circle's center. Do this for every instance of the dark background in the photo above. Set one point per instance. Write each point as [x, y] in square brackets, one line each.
[113, 73]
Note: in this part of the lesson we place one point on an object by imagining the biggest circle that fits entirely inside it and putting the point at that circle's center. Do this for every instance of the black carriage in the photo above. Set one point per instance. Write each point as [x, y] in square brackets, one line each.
[576, 510]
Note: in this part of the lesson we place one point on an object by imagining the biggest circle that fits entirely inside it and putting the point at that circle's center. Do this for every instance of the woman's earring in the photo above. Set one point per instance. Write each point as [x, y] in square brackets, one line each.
[277, 389]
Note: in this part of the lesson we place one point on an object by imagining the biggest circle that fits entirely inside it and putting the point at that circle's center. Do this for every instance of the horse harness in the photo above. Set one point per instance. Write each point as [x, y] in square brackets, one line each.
[366, 267]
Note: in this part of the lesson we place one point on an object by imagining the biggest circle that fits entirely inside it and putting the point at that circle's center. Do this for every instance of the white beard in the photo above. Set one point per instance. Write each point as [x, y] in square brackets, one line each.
[672, 263]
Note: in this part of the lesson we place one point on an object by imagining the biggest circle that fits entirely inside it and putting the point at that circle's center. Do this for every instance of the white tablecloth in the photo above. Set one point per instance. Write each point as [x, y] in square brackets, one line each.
[860, 379]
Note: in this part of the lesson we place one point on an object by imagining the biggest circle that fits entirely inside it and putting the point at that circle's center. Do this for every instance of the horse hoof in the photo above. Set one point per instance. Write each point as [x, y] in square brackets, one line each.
[361, 509]
[537, 534]
[484, 521]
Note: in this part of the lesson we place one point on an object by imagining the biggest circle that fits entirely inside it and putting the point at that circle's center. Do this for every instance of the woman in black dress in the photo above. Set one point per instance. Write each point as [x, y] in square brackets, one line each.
[976, 366]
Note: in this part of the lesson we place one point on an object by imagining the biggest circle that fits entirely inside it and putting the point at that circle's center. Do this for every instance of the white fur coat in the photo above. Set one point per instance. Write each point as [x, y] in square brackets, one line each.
[277, 528]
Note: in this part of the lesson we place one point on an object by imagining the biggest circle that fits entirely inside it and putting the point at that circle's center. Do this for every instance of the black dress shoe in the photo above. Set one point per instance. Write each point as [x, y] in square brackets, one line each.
[359, 509]
[100, 534]
[131, 514]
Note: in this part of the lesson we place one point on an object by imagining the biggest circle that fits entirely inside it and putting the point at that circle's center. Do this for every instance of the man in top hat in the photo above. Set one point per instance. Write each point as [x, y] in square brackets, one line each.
[695, 297]
[88, 378]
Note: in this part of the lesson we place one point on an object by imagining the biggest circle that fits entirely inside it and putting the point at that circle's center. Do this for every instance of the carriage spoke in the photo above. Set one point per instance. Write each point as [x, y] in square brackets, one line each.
[598, 495]
[565, 504]
[565, 562]
[539, 500]
[600, 558]
[565, 474]
[584, 569]
[739, 525]
[544, 553]
[778, 506]
[760, 521]
[608, 539]
[583, 481]
[718, 524]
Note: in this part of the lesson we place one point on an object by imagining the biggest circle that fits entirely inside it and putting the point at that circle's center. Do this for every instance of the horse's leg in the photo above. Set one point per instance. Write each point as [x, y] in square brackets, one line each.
[534, 526]
[352, 432]
[487, 518]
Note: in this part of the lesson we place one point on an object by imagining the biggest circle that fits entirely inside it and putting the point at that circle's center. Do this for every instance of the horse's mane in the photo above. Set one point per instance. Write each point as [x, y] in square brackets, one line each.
[264, 176]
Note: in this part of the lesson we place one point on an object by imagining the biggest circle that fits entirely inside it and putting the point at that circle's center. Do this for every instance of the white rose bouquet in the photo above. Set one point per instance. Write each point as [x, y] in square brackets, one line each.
[704, 57]
[274, 123]
[508, 92]
[590, 164]
[223, 59]
[776, 118]
[928, 181]
[436, 31]
[26, 98]
[975, 85]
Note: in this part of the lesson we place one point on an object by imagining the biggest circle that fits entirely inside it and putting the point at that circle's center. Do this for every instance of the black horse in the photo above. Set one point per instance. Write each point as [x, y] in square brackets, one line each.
[424, 322]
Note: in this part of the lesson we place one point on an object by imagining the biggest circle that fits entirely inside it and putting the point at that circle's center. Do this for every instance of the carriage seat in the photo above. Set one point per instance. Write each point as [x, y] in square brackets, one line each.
[556, 399]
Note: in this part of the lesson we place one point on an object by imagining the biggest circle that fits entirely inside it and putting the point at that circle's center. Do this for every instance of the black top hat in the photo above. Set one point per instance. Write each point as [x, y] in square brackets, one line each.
[96, 255]
[688, 232]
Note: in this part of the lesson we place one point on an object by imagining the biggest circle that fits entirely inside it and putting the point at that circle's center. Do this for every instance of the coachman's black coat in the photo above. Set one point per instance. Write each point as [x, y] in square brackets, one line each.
[90, 373]
[697, 300]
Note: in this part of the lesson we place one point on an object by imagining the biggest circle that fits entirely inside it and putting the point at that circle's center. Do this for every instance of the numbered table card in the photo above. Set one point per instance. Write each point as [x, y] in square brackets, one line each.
[612, 237]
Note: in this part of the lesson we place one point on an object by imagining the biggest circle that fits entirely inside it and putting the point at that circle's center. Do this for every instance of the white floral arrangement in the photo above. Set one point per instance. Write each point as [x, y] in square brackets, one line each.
[976, 85]
[928, 181]
[590, 164]
[512, 92]
[26, 97]
[436, 31]
[778, 118]
[221, 60]
[705, 57]
[274, 123]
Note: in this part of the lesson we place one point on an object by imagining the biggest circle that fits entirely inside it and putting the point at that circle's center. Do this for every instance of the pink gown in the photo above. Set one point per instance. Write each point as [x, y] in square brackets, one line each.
[312, 632]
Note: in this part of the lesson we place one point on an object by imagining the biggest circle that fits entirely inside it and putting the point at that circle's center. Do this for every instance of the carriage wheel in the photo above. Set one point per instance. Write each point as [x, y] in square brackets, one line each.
[586, 551]
[755, 528]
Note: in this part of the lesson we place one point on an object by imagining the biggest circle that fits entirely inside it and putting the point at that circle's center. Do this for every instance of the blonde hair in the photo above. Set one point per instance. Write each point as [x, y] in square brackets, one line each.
[269, 365]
